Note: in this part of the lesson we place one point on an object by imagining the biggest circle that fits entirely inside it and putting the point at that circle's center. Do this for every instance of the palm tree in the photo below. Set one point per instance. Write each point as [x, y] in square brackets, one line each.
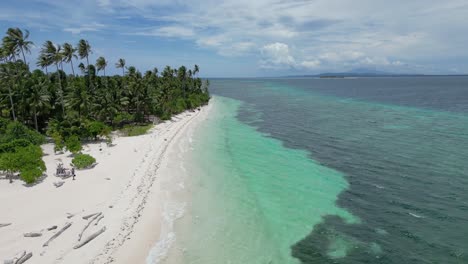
[43, 62]
[54, 54]
[69, 52]
[6, 72]
[121, 64]
[19, 40]
[196, 69]
[84, 49]
[82, 68]
[38, 97]
[101, 64]
[9, 49]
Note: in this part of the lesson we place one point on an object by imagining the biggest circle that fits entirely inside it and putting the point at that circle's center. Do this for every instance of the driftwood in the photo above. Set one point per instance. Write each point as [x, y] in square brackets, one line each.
[86, 217]
[58, 184]
[70, 215]
[67, 225]
[99, 219]
[51, 228]
[32, 234]
[91, 237]
[87, 225]
[3, 225]
[24, 258]
[15, 259]
[20, 259]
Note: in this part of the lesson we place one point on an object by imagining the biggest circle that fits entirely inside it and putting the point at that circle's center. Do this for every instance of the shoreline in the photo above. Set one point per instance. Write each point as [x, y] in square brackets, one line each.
[128, 186]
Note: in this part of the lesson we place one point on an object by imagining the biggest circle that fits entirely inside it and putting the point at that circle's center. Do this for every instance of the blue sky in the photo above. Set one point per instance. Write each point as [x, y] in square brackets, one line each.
[247, 38]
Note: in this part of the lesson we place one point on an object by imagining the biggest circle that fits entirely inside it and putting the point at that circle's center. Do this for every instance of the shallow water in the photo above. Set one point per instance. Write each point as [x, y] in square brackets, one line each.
[330, 171]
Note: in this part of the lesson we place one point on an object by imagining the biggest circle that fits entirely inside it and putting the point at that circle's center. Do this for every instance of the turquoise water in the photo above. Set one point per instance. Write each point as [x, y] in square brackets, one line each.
[370, 170]
[246, 191]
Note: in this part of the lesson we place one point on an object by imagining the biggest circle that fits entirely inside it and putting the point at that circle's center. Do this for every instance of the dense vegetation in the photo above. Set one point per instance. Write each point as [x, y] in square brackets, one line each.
[132, 130]
[86, 104]
[83, 161]
[20, 151]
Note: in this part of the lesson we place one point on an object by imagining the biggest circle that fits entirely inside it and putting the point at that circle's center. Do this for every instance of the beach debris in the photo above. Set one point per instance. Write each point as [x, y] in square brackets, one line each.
[70, 215]
[91, 237]
[86, 217]
[5, 224]
[67, 225]
[107, 178]
[52, 228]
[87, 225]
[99, 219]
[21, 258]
[58, 184]
[32, 234]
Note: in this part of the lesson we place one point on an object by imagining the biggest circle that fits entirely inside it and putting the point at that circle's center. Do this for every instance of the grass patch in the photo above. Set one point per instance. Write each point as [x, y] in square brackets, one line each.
[82, 161]
[135, 130]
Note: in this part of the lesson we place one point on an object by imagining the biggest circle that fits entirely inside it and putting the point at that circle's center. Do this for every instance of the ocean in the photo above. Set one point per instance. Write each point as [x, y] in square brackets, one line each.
[305, 170]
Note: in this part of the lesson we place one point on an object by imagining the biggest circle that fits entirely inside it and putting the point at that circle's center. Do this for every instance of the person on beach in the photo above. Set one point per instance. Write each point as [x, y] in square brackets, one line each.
[73, 173]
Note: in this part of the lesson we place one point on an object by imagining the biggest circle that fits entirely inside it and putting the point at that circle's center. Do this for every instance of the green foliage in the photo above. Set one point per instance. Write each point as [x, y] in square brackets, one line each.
[81, 161]
[16, 130]
[13, 145]
[25, 160]
[135, 130]
[73, 144]
[96, 128]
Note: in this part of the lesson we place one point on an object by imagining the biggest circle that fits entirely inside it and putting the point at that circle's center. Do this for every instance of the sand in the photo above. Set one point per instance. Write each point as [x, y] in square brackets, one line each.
[129, 186]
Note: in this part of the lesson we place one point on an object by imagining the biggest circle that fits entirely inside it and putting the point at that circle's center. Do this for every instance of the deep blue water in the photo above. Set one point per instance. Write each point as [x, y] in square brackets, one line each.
[402, 144]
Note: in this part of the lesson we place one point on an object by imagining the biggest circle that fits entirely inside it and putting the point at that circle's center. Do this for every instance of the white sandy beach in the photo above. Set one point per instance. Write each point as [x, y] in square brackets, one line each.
[134, 186]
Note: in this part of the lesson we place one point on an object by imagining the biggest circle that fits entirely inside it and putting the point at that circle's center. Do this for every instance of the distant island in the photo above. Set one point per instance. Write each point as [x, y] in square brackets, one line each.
[363, 72]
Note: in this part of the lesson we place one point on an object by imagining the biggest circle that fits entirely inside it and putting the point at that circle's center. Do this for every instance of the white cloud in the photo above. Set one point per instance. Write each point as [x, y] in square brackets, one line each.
[169, 31]
[322, 34]
[93, 27]
[277, 55]
[311, 64]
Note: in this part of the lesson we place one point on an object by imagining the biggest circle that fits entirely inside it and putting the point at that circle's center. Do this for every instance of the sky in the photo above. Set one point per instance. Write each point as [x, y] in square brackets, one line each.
[255, 38]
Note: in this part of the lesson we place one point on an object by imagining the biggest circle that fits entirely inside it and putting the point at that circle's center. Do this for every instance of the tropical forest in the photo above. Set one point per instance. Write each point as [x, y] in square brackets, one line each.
[65, 98]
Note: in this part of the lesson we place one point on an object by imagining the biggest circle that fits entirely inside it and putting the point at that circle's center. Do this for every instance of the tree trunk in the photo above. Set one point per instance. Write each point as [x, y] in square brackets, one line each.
[61, 91]
[11, 102]
[35, 120]
[73, 70]
[24, 58]
[46, 70]
[104, 72]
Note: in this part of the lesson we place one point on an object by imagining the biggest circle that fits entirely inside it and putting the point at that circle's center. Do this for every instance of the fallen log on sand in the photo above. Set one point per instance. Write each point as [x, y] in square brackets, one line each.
[87, 225]
[52, 228]
[86, 217]
[3, 225]
[23, 257]
[67, 225]
[99, 219]
[91, 237]
[32, 234]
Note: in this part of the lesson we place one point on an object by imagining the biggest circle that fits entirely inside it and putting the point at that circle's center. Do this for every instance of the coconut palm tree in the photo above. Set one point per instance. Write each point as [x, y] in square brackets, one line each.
[101, 64]
[196, 69]
[82, 68]
[54, 54]
[121, 64]
[43, 61]
[69, 52]
[84, 49]
[38, 98]
[19, 40]
[9, 49]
